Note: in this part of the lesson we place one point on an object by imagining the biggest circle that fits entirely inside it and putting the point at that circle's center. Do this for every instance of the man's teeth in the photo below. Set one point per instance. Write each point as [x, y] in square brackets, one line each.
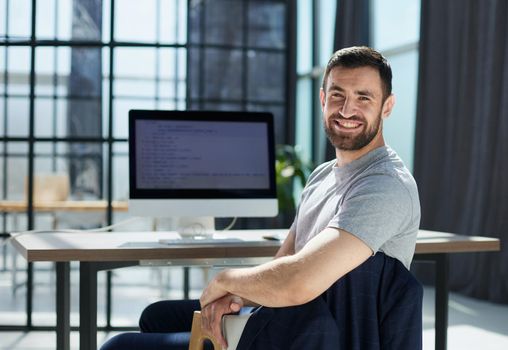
[348, 124]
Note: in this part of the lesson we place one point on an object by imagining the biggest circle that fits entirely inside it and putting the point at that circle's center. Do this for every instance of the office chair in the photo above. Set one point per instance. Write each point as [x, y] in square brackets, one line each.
[51, 187]
[376, 306]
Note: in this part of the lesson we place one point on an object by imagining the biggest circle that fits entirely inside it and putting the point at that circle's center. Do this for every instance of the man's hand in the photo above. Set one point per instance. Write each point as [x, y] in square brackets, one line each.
[211, 315]
[213, 291]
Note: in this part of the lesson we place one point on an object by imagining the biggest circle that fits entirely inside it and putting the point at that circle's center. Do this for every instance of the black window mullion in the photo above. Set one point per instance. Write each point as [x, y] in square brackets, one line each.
[202, 71]
[245, 62]
[176, 19]
[109, 212]
[31, 160]
[55, 91]
[5, 124]
[157, 53]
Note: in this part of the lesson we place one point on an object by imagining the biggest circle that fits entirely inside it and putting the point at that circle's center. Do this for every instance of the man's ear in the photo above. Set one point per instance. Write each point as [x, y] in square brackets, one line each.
[388, 106]
[322, 98]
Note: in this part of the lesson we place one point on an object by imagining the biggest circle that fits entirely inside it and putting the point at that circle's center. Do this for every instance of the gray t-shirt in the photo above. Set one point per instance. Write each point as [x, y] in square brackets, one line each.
[375, 198]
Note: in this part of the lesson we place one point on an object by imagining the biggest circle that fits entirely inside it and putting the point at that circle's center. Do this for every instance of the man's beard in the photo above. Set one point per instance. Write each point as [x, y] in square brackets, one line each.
[349, 142]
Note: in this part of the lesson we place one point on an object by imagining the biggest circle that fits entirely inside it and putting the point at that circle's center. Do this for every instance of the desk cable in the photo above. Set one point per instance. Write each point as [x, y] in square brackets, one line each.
[69, 230]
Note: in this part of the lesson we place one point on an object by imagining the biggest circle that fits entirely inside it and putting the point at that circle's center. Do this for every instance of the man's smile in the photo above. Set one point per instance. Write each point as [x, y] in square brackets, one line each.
[345, 124]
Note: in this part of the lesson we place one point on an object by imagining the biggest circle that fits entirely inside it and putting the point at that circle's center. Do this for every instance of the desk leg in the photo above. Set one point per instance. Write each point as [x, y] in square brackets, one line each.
[87, 306]
[441, 301]
[63, 306]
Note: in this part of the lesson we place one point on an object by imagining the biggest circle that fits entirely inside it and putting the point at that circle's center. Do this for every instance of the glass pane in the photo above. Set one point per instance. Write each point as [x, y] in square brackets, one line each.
[45, 65]
[63, 20]
[121, 110]
[399, 128]
[172, 71]
[60, 111]
[106, 93]
[121, 171]
[135, 72]
[3, 52]
[18, 68]
[392, 28]
[217, 75]
[279, 119]
[54, 20]
[86, 21]
[47, 10]
[304, 116]
[85, 78]
[20, 19]
[45, 121]
[63, 64]
[17, 169]
[304, 37]
[2, 114]
[2, 192]
[220, 29]
[106, 21]
[173, 21]
[267, 25]
[84, 117]
[129, 12]
[326, 30]
[3, 17]
[266, 76]
[17, 116]
[196, 25]
[85, 162]
[44, 278]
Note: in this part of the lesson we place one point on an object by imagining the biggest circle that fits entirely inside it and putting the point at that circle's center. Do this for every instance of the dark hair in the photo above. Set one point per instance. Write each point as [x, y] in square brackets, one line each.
[361, 56]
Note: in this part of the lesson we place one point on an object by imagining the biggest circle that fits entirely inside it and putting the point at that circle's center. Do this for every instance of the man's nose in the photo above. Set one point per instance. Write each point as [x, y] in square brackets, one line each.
[348, 109]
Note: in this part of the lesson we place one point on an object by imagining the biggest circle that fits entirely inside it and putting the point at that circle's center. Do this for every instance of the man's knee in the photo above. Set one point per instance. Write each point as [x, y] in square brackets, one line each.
[118, 342]
[148, 316]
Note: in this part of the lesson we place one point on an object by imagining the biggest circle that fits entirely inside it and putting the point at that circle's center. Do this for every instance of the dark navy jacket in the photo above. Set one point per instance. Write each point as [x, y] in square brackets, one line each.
[376, 306]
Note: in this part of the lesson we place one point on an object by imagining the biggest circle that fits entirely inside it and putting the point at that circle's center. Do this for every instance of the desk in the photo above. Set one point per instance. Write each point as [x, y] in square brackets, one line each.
[13, 206]
[103, 251]
[21, 206]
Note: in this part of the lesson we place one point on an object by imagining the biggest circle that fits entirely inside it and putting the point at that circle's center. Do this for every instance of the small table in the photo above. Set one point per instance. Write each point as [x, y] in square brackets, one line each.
[109, 250]
[16, 206]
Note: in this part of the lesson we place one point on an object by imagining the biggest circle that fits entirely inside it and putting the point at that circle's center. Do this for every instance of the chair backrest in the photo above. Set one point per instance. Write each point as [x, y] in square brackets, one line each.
[198, 337]
[386, 314]
[49, 187]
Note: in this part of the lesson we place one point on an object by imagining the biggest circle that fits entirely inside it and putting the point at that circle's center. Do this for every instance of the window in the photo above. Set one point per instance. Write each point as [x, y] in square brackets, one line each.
[67, 83]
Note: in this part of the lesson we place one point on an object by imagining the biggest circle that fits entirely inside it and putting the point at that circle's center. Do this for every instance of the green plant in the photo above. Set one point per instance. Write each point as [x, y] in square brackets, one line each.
[289, 167]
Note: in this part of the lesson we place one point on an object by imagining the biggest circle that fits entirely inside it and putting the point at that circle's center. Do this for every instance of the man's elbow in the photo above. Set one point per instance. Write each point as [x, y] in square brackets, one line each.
[299, 291]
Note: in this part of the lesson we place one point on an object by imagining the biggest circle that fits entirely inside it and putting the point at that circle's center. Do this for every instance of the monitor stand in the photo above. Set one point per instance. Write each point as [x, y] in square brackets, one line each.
[196, 228]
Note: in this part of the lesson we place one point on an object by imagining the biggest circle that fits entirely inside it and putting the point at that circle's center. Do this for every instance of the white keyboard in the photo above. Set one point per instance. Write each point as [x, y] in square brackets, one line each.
[207, 241]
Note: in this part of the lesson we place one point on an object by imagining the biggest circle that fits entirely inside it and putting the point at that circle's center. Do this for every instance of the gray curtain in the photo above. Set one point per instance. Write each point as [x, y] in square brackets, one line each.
[352, 28]
[461, 148]
[84, 118]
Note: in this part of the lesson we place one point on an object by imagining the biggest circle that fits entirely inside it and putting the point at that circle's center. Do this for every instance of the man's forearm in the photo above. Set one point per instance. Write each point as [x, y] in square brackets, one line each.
[271, 284]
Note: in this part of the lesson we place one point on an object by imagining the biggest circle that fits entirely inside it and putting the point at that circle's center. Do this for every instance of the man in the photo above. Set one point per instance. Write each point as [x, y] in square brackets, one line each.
[362, 202]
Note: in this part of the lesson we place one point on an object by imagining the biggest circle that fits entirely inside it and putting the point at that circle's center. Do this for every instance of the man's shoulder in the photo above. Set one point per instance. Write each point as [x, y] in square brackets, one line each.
[390, 169]
[321, 170]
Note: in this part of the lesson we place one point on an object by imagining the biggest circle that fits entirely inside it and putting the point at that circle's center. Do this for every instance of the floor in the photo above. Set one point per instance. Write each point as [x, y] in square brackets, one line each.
[473, 324]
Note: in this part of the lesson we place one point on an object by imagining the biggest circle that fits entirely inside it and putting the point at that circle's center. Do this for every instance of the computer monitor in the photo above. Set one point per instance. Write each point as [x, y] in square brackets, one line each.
[197, 165]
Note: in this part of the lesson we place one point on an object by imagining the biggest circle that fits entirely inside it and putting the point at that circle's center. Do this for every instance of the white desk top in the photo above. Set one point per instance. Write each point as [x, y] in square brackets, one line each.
[135, 246]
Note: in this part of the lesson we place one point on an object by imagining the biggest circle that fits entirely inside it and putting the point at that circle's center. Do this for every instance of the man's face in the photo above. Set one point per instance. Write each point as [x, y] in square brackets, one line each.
[353, 107]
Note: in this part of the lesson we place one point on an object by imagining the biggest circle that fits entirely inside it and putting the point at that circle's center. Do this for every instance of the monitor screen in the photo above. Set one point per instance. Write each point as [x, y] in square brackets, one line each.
[212, 163]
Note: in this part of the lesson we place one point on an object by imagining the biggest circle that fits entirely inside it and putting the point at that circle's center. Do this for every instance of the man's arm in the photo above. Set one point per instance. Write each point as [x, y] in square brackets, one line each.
[212, 312]
[293, 279]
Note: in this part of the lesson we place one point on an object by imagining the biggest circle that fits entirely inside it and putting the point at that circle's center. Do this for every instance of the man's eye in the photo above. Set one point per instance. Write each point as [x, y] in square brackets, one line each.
[364, 98]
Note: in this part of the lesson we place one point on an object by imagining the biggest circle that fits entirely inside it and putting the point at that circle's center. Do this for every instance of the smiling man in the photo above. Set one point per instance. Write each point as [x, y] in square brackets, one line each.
[363, 202]
[360, 208]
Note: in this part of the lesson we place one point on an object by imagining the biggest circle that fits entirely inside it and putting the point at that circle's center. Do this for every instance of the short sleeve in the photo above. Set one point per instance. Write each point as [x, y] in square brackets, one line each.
[374, 209]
